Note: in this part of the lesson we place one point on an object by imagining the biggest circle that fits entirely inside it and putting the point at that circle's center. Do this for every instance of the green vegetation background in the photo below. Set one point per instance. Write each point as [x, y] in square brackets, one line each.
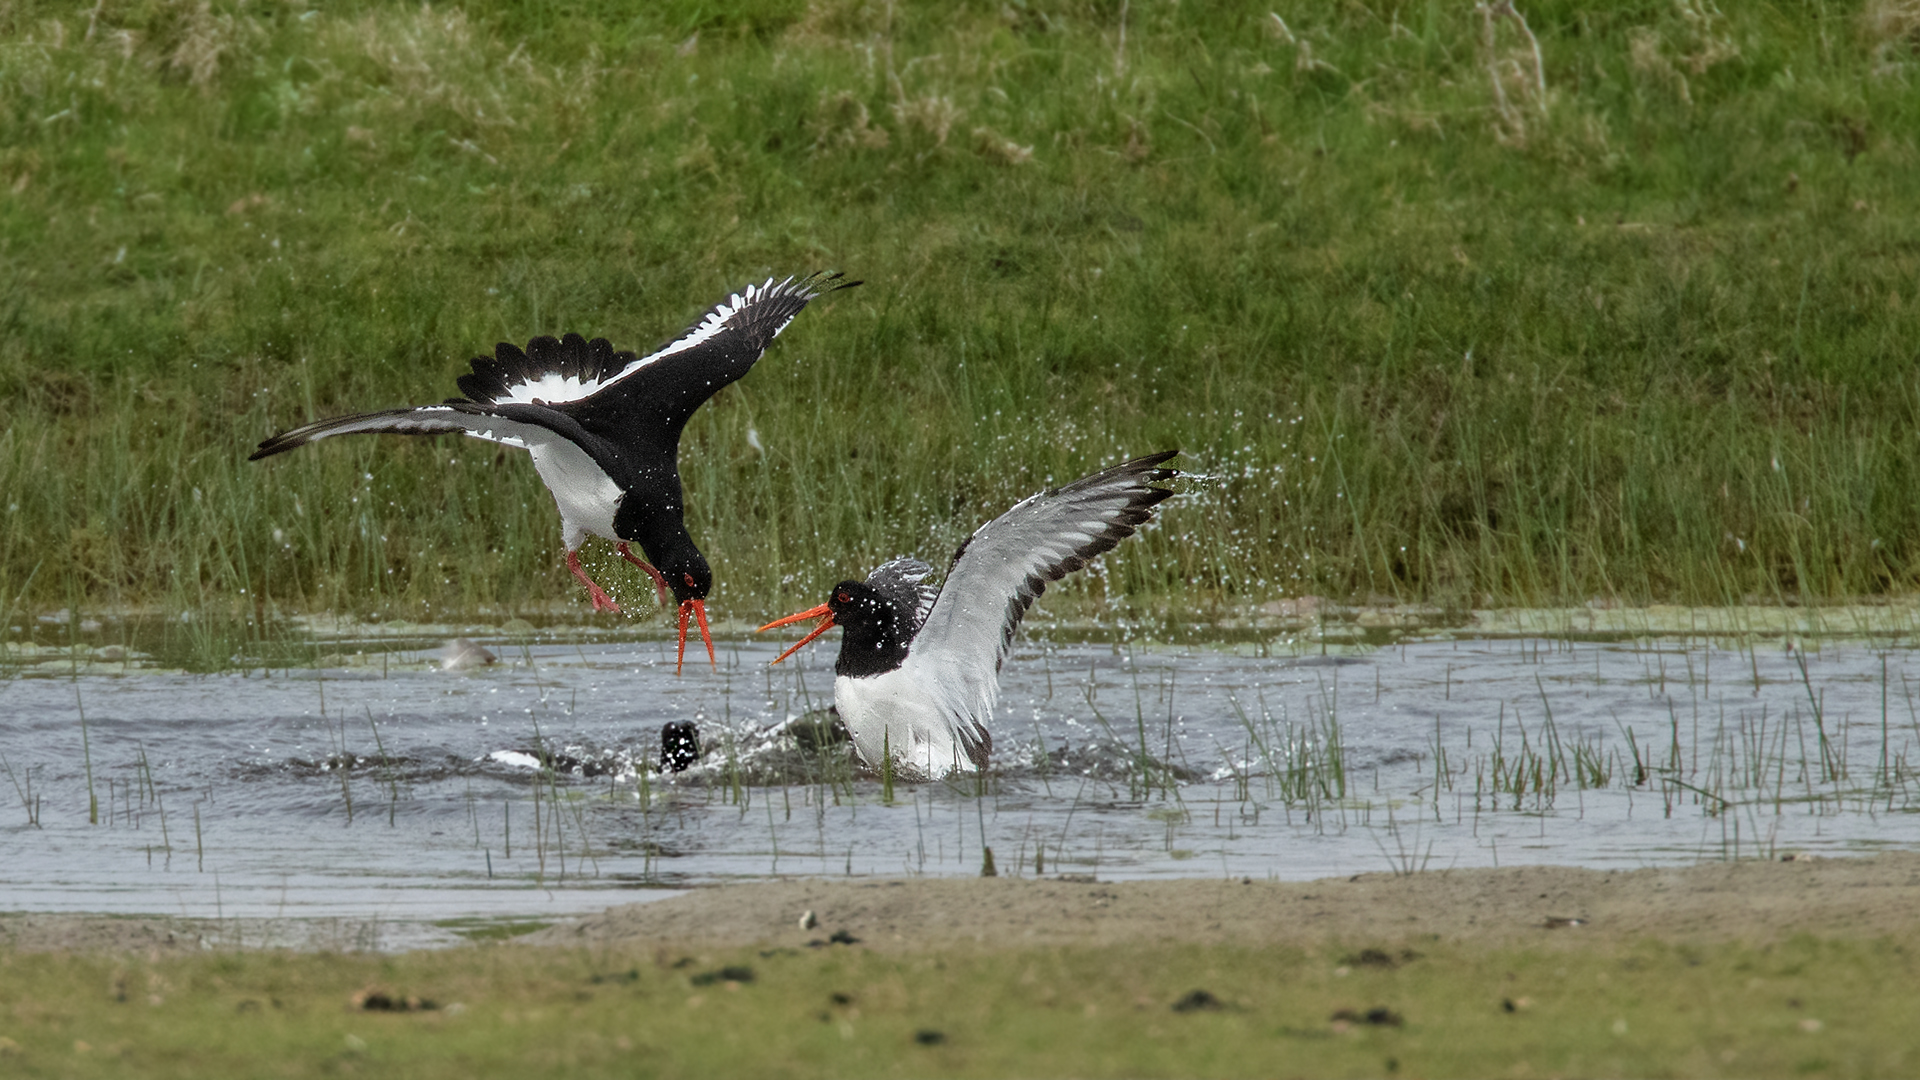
[1443, 318]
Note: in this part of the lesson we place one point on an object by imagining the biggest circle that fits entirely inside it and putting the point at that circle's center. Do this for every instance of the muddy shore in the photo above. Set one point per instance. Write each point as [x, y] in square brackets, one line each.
[1864, 898]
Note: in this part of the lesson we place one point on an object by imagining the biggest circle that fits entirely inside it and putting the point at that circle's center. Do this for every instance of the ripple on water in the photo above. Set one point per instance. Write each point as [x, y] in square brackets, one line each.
[531, 784]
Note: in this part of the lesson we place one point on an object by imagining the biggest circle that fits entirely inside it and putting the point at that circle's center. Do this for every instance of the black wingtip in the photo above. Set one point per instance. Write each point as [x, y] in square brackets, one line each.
[1147, 468]
[1151, 460]
[822, 282]
[278, 444]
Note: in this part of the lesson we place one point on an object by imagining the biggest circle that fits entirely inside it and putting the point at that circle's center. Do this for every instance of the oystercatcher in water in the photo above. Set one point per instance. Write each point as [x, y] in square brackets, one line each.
[604, 429]
[919, 667]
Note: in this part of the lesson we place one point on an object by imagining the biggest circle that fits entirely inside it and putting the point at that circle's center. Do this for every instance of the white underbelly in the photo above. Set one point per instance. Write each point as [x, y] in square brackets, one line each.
[888, 714]
[587, 496]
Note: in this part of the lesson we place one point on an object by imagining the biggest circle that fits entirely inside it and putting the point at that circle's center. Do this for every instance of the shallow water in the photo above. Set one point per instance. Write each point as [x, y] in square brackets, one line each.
[392, 789]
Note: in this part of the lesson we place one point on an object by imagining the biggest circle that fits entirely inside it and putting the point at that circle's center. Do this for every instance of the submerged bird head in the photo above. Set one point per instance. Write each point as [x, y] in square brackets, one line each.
[878, 629]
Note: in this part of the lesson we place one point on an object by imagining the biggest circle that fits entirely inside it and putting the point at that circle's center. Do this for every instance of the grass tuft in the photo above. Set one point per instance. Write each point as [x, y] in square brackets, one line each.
[1450, 304]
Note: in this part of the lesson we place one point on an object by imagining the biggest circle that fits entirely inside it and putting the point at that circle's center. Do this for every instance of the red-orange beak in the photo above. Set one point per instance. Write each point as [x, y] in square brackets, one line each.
[696, 609]
[824, 613]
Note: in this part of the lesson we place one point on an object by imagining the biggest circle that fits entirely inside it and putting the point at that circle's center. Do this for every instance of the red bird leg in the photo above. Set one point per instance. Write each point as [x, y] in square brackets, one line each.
[601, 601]
[659, 580]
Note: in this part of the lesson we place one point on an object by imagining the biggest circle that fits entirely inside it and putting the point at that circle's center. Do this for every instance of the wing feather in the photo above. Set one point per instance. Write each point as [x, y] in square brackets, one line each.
[552, 380]
[904, 581]
[549, 371]
[1007, 563]
[754, 316]
[719, 347]
[453, 418]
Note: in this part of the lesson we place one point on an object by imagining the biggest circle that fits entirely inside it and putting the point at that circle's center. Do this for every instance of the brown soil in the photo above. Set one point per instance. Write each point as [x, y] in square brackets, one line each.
[1864, 898]
[1746, 901]
[101, 933]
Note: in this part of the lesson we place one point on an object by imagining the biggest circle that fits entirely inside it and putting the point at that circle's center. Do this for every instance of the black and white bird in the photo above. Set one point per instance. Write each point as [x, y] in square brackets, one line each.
[919, 667]
[603, 427]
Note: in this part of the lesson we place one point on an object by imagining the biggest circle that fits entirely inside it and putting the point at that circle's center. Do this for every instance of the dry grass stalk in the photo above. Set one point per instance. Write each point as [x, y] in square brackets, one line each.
[996, 147]
[204, 39]
[1303, 58]
[1513, 125]
[1708, 42]
[1712, 40]
[842, 120]
[1139, 144]
[437, 57]
[1643, 50]
[1892, 28]
[1892, 22]
[933, 113]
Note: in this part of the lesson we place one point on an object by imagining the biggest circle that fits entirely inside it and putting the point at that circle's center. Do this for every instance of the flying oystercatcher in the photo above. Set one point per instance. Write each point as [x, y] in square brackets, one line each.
[919, 667]
[604, 429]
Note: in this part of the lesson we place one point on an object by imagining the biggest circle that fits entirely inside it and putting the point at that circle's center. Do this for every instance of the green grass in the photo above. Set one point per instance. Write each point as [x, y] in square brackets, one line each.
[1650, 334]
[1799, 1008]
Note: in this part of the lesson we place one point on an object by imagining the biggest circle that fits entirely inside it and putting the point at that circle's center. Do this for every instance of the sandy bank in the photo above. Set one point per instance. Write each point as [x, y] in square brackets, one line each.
[1750, 901]
[1745, 901]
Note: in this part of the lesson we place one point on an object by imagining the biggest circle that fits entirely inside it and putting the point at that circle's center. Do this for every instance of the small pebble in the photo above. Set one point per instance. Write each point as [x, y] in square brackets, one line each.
[461, 654]
[1379, 1016]
[1197, 1001]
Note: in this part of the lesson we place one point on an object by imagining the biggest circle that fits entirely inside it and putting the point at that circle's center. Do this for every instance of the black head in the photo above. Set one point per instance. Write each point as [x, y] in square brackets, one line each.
[877, 630]
[684, 572]
[688, 575]
[679, 746]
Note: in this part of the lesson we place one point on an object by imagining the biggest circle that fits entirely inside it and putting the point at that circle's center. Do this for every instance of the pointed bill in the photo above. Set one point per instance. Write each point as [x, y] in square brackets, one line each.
[824, 613]
[695, 609]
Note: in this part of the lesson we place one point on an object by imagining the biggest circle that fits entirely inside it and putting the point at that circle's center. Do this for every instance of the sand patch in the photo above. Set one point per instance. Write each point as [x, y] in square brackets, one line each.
[1741, 901]
[1864, 898]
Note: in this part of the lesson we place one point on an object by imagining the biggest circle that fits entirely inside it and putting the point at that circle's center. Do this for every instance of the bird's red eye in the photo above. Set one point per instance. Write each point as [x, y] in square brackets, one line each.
[845, 598]
[689, 579]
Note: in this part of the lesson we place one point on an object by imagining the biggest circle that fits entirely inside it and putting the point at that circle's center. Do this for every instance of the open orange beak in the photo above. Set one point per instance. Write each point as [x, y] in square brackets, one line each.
[696, 609]
[824, 613]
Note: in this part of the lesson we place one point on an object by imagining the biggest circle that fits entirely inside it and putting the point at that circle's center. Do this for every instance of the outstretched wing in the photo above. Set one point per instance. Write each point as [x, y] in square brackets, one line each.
[589, 391]
[904, 581]
[1006, 564]
[453, 418]
[647, 398]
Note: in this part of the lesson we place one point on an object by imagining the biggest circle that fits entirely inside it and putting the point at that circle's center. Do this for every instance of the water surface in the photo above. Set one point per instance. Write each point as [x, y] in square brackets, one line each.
[382, 786]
